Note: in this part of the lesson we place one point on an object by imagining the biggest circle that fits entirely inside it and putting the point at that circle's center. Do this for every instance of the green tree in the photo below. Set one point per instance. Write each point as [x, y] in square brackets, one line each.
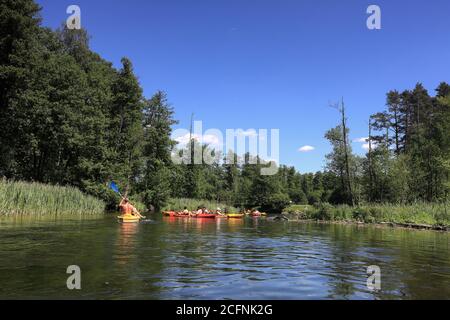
[19, 53]
[126, 132]
[155, 183]
[337, 164]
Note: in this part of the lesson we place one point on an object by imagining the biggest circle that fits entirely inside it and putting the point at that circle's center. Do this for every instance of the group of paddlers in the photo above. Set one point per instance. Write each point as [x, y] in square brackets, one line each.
[202, 211]
[218, 211]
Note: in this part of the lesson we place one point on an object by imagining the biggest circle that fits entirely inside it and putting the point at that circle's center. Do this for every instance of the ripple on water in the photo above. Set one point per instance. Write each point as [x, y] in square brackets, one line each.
[185, 259]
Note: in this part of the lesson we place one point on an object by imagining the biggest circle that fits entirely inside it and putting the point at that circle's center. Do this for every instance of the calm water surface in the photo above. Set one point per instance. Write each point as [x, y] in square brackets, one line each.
[172, 258]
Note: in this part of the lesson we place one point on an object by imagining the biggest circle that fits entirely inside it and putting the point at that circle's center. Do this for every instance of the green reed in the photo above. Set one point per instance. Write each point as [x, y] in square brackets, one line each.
[23, 198]
[415, 213]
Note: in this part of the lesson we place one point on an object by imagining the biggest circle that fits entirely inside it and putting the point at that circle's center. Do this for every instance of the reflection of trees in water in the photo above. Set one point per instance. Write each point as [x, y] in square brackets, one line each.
[343, 251]
[207, 245]
[189, 251]
[179, 256]
[354, 248]
[409, 261]
[413, 260]
[183, 253]
[425, 256]
[137, 261]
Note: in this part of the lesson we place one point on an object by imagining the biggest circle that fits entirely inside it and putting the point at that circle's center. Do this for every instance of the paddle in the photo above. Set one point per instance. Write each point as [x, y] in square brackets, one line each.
[113, 186]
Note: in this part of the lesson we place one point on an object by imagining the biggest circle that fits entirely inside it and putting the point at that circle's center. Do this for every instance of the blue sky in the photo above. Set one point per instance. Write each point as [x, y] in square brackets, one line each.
[272, 63]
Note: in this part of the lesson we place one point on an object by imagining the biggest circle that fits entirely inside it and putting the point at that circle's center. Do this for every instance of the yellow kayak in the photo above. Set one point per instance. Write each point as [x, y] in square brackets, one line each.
[128, 218]
[235, 215]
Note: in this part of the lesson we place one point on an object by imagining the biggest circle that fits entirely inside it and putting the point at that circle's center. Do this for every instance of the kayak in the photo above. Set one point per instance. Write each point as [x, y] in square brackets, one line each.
[169, 213]
[128, 219]
[235, 215]
[204, 215]
[261, 214]
[180, 215]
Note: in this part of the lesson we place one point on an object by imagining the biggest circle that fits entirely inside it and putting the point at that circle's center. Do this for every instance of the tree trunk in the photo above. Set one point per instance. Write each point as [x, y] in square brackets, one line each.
[370, 162]
[347, 161]
[396, 132]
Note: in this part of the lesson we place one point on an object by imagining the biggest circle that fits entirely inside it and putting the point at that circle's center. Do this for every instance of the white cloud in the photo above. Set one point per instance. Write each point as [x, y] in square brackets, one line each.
[306, 149]
[365, 139]
[267, 160]
[365, 146]
[365, 143]
[209, 139]
[183, 139]
[247, 133]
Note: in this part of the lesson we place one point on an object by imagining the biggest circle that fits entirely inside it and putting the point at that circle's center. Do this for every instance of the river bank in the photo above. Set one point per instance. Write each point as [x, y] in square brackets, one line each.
[417, 216]
[407, 226]
[23, 198]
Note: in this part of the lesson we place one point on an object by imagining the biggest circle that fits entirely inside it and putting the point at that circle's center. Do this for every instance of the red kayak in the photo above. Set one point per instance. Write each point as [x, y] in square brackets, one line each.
[181, 215]
[169, 213]
[204, 215]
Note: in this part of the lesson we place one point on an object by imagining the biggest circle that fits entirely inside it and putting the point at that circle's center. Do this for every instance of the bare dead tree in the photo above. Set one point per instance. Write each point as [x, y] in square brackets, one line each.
[341, 109]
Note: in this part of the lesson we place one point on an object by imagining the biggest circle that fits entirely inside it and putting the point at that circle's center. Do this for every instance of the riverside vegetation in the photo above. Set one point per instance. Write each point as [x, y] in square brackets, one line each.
[69, 118]
[20, 198]
[423, 215]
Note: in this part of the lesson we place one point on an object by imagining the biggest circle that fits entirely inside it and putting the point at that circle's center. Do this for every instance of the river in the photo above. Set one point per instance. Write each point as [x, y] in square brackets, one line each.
[176, 258]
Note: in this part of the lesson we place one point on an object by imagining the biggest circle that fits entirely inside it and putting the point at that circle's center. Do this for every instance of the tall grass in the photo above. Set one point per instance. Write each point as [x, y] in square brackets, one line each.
[298, 209]
[193, 204]
[435, 214]
[22, 198]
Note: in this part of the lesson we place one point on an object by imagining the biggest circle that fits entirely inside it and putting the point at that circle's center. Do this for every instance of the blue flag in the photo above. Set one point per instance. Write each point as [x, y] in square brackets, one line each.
[114, 187]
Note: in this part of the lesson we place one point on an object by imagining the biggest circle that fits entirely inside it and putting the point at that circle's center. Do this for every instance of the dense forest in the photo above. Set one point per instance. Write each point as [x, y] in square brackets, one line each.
[68, 117]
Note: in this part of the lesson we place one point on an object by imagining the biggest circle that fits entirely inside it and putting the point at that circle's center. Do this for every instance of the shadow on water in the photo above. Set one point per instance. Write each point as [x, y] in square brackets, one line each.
[182, 258]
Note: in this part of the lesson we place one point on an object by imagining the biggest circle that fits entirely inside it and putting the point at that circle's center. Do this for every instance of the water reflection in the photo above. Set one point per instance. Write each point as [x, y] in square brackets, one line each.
[182, 258]
[127, 236]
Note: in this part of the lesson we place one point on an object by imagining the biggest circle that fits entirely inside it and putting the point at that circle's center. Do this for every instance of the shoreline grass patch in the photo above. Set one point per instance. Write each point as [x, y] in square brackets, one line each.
[434, 214]
[24, 198]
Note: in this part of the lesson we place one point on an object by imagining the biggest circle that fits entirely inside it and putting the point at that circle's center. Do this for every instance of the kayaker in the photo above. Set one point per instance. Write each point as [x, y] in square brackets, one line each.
[205, 211]
[185, 211]
[127, 209]
[219, 212]
[256, 212]
[199, 211]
